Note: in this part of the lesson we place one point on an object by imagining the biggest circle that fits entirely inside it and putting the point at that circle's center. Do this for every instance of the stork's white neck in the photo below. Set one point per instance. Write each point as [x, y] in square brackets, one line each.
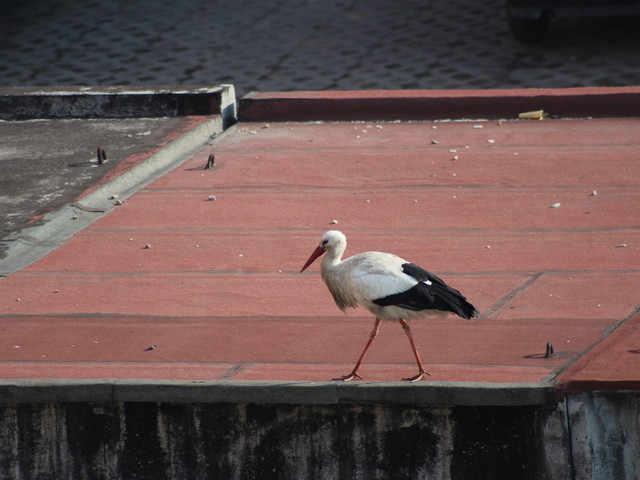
[336, 276]
[333, 257]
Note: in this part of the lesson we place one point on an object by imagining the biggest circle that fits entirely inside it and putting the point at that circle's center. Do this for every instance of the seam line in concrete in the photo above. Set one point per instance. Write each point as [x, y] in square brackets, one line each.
[605, 334]
[509, 296]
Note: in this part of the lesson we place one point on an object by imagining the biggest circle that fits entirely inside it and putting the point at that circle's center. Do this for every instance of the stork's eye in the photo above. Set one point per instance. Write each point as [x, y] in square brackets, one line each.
[324, 243]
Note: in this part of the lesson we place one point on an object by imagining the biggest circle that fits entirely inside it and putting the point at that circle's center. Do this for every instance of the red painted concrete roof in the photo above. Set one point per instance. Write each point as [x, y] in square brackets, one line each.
[218, 290]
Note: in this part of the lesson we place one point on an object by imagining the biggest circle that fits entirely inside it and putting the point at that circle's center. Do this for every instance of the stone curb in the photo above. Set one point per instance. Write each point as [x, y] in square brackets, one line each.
[23, 103]
[438, 104]
[277, 392]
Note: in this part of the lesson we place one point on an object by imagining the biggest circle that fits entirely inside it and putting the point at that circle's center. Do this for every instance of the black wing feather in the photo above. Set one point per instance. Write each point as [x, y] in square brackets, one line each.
[430, 293]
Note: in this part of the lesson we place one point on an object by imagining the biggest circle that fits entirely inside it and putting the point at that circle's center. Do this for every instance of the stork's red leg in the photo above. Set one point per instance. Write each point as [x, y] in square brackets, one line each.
[354, 374]
[421, 371]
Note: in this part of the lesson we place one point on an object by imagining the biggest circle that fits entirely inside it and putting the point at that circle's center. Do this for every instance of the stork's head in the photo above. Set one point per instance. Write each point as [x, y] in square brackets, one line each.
[332, 241]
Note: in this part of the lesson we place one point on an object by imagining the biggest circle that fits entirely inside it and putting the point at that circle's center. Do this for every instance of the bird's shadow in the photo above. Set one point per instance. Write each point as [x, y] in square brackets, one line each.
[88, 163]
[538, 355]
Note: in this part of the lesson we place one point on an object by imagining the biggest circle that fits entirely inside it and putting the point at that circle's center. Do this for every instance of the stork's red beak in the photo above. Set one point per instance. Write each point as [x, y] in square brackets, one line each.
[316, 253]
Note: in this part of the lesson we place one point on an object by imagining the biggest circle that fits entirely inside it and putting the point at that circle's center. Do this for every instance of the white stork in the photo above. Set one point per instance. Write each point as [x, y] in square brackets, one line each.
[388, 286]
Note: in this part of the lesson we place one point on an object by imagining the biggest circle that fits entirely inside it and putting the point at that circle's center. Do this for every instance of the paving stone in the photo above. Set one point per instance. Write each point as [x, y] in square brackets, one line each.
[345, 45]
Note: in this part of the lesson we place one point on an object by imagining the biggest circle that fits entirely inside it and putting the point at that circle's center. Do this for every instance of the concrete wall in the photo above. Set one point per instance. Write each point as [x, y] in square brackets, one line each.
[230, 441]
[585, 436]
[605, 435]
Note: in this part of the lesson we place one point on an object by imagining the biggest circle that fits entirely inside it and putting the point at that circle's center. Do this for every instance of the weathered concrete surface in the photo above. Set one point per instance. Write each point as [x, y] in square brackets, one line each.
[48, 163]
[604, 432]
[23, 103]
[264, 392]
[276, 441]
[587, 436]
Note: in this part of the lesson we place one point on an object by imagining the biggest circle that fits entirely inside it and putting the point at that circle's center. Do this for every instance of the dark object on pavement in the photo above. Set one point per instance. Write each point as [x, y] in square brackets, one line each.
[529, 20]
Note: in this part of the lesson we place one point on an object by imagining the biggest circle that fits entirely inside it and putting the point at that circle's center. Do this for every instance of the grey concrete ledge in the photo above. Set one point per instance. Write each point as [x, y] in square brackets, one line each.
[23, 103]
[278, 392]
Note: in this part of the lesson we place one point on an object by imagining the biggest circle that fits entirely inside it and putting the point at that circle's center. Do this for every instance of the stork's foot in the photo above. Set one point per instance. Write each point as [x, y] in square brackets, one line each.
[418, 377]
[350, 377]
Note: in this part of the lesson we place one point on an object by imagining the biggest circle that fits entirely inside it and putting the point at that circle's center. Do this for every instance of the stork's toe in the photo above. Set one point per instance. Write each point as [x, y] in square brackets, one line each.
[418, 377]
[348, 378]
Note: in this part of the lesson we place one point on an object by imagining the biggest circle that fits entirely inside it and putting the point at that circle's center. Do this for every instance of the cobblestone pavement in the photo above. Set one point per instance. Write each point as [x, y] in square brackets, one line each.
[305, 45]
